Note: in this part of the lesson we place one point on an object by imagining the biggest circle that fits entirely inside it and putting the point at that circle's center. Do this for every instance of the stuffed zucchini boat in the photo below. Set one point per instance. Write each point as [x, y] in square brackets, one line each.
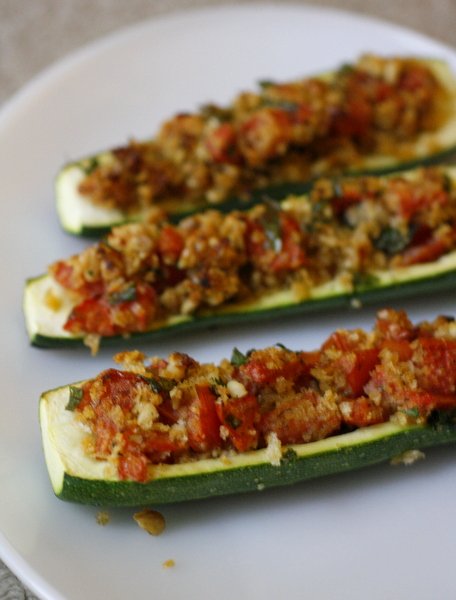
[350, 241]
[168, 430]
[377, 115]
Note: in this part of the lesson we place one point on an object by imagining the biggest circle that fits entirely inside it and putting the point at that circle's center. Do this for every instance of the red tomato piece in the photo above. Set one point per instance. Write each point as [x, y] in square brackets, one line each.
[133, 467]
[400, 347]
[364, 413]
[303, 418]
[291, 255]
[423, 253]
[265, 135]
[203, 423]
[290, 366]
[357, 367]
[240, 417]
[101, 316]
[221, 144]
[170, 244]
[435, 362]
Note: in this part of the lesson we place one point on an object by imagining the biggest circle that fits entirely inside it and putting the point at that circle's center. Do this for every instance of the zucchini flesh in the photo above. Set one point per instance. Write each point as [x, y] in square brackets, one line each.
[45, 324]
[79, 216]
[77, 478]
[173, 430]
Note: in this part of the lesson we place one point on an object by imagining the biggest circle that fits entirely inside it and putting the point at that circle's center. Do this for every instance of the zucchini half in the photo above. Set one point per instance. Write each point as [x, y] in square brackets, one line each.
[79, 216]
[45, 319]
[78, 478]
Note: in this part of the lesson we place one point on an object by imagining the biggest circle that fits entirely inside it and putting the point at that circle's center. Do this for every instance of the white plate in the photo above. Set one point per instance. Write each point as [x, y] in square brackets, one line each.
[381, 533]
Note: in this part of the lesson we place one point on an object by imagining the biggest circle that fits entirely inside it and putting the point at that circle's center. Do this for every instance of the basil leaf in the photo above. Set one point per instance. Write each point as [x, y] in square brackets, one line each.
[237, 358]
[265, 83]
[270, 221]
[283, 104]
[283, 347]
[412, 412]
[392, 241]
[90, 166]
[160, 384]
[210, 111]
[126, 295]
[76, 394]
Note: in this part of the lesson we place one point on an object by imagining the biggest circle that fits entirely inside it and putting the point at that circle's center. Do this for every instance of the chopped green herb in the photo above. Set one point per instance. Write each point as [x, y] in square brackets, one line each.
[160, 384]
[279, 345]
[346, 69]
[209, 111]
[76, 394]
[90, 166]
[412, 412]
[126, 295]
[233, 422]
[392, 241]
[283, 104]
[271, 224]
[237, 358]
[265, 83]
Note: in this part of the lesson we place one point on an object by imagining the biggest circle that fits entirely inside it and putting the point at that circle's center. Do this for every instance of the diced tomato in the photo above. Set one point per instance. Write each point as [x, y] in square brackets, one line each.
[400, 347]
[340, 340]
[356, 367]
[105, 430]
[158, 441]
[63, 274]
[170, 244]
[133, 467]
[423, 253]
[101, 316]
[355, 120]
[364, 412]
[265, 135]
[240, 417]
[435, 362]
[395, 325]
[302, 418]
[221, 144]
[414, 199]
[120, 387]
[291, 255]
[347, 199]
[292, 366]
[203, 423]
[168, 415]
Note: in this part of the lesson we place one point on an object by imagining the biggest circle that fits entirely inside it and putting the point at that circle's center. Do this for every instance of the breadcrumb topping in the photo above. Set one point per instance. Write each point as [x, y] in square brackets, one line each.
[271, 398]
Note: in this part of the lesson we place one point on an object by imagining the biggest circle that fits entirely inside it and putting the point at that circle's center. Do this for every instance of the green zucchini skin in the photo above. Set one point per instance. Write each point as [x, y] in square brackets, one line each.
[77, 216]
[279, 192]
[248, 472]
[433, 278]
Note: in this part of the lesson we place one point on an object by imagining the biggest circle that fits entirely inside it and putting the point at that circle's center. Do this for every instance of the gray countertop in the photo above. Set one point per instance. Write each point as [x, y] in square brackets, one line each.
[35, 34]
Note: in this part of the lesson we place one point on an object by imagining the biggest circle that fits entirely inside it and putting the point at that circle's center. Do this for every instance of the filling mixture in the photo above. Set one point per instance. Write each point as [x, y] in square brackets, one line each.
[142, 274]
[287, 132]
[178, 410]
